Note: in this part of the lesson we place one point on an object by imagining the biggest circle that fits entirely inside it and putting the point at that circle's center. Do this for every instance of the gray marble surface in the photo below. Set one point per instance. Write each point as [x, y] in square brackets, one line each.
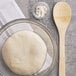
[26, 7]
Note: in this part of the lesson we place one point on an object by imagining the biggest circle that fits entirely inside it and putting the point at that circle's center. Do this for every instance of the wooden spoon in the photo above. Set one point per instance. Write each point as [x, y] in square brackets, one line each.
[62, 16]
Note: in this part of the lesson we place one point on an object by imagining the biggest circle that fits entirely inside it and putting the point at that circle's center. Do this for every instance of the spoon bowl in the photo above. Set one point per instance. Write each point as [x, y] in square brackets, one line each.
[62, 16]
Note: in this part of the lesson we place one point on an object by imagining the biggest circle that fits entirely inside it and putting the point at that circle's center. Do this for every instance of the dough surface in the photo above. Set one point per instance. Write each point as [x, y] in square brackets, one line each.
[24, 52]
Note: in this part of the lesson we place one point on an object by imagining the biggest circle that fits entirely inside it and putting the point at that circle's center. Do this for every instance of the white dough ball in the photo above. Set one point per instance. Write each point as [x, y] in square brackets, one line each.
[24, 52]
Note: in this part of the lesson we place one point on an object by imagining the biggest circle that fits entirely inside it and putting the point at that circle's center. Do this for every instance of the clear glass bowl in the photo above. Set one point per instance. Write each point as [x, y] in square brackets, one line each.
[37, 27]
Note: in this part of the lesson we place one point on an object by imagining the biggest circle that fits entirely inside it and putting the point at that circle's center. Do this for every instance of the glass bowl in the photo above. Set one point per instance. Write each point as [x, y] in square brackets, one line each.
[40, 29]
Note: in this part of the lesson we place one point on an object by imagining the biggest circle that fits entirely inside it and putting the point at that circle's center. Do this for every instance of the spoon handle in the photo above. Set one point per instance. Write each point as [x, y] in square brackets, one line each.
[62, 55]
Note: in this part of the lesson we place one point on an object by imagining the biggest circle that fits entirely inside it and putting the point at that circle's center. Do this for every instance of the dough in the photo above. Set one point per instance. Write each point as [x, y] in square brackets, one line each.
[24, 52]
